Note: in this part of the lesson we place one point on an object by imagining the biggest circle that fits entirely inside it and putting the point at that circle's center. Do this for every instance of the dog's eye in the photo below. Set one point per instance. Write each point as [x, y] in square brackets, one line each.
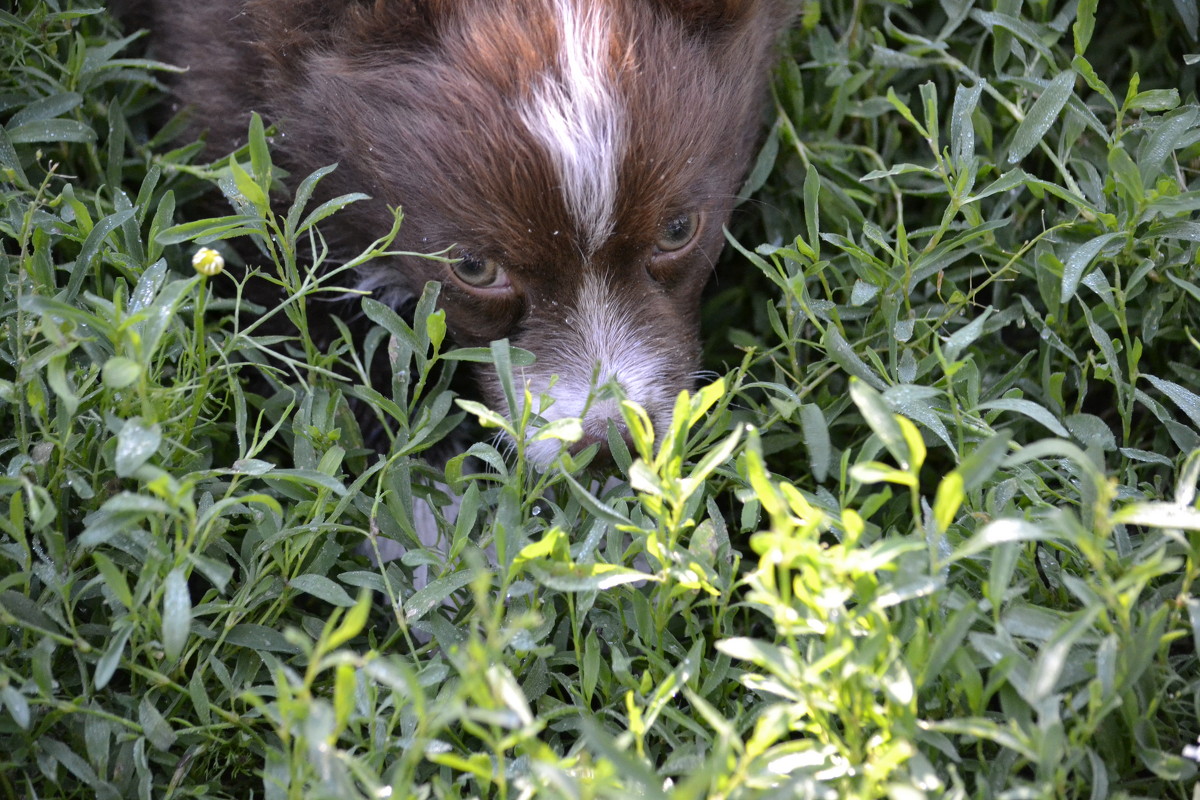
[678, 232]
[480, 273]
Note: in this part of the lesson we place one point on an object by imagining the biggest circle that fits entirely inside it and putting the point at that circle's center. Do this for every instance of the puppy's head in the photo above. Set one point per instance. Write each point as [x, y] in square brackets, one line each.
[580, 157]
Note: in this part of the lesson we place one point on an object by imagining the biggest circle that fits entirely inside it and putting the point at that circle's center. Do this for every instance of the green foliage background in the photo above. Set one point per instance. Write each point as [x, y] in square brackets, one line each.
[933, 533]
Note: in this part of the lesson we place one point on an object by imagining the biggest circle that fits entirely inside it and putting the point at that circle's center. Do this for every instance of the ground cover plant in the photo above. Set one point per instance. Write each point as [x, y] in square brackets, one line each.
[932, 531]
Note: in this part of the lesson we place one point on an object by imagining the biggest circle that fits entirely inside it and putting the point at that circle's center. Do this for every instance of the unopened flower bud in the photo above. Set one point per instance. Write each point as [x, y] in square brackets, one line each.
[208, 262]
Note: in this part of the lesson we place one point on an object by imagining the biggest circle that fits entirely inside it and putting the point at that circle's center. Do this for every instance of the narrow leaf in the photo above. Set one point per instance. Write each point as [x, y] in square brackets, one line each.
[323, 588]
[1041, 115]
[177, 614]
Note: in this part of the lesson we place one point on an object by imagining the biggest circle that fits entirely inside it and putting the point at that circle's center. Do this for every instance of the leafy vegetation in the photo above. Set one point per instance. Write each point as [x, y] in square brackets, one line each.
[933, 533]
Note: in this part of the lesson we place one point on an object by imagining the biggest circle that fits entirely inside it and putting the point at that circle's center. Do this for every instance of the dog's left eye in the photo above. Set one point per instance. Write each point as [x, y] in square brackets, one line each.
[678, 232]
[480, 273]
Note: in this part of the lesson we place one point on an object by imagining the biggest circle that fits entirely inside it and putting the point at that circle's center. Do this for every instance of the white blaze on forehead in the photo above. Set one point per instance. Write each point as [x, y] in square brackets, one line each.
[576, 113]
[602, 343]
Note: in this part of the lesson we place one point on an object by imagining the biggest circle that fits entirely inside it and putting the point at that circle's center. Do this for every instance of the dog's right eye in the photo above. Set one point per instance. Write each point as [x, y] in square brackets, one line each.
[678, 232]
[480, 273]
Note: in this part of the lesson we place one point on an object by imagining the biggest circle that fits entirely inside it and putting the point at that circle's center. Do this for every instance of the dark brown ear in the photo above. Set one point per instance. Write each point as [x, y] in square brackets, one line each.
[304, 19]
[285, 32]
[288, 30]
[721, 15]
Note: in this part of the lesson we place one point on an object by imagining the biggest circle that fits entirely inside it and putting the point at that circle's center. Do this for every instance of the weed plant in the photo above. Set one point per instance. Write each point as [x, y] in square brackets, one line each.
[933, 532]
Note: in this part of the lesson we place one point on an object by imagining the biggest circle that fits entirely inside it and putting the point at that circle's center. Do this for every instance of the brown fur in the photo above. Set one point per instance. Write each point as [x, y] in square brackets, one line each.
[415, 100]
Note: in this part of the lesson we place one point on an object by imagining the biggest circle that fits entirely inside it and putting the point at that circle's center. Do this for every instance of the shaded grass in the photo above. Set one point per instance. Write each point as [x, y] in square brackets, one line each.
[933, 533]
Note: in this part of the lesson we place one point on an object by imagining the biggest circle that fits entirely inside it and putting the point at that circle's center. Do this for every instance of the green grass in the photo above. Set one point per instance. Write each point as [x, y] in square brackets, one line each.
[934, 533]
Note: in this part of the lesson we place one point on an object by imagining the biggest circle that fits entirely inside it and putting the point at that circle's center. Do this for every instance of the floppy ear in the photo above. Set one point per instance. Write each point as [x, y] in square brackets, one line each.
[718, 16]
[287, 31]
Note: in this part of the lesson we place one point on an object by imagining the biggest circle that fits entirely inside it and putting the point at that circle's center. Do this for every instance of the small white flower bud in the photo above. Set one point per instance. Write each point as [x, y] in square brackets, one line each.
[208, 262]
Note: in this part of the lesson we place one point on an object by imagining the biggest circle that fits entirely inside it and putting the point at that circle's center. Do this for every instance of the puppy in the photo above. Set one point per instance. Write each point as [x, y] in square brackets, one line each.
[579, 158]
